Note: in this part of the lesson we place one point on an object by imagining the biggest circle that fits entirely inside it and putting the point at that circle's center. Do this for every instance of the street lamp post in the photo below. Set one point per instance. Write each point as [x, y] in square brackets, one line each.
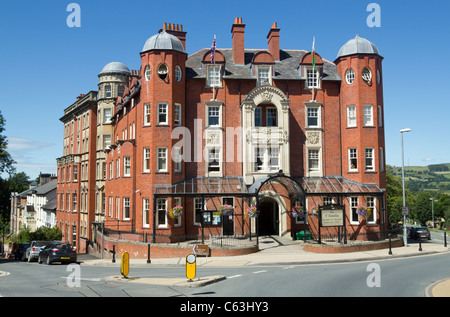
[405, 241]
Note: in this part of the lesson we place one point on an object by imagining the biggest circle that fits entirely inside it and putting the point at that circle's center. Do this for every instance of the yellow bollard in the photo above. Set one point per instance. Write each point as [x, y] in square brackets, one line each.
[125, 264]
[191, 266]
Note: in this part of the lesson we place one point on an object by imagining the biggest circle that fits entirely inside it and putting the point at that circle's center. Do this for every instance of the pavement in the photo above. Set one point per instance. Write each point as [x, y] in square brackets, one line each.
[276, 251]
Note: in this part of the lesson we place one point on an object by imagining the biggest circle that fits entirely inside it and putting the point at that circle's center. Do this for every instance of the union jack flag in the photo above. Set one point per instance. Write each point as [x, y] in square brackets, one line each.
[213, 50]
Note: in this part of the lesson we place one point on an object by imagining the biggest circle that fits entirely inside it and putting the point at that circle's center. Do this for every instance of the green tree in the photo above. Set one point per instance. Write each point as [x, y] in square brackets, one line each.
[394, 192]
[422, 207]
[6, 161]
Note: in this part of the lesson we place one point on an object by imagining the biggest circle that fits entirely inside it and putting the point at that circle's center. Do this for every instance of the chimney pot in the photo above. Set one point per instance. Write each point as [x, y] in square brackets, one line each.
[237, 31]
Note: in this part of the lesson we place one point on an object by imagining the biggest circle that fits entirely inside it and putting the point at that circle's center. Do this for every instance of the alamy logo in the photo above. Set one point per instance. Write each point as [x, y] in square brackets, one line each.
[374, 278]
[374, 18]
[74, 18]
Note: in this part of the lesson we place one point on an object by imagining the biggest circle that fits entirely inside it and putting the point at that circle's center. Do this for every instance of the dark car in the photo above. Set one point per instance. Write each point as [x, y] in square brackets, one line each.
[20, 251]
[422, 232]
[58, 252]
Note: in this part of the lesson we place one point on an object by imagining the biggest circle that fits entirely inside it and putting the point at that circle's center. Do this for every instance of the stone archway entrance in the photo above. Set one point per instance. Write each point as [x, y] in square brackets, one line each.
[268, 219]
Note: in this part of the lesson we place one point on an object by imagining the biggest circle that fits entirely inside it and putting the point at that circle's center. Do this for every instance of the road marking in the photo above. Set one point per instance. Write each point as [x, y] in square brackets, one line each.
[85, 279]
[3, 273]
[233, 276]
[257, 272]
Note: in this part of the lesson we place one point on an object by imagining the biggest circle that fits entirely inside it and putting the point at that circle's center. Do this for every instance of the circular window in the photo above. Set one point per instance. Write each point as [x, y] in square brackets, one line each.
[350, 76]
[178, 73]
[148, 73]
[366, 75]
[163, 71]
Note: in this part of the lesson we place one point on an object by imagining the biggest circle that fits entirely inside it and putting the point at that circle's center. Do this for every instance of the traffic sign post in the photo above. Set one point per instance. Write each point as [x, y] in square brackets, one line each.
[191, 266]
[125, 264]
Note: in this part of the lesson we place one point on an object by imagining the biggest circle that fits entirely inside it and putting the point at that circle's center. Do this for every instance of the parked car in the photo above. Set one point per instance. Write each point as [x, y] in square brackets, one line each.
[422, 232]
[33, 250]
[62, 252]
[21, 251]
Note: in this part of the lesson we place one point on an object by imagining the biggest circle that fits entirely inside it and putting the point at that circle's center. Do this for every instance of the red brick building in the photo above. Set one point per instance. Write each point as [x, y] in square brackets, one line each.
[270, 128]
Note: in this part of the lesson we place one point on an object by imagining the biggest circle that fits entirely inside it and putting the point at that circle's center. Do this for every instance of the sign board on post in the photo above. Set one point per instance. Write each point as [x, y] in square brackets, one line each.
[405, 211]
[332, 217]
[201, 250]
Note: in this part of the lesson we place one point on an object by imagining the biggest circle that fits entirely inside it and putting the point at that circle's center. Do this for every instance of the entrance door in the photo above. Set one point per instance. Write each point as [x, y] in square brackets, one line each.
[268, 218]
[228, 225]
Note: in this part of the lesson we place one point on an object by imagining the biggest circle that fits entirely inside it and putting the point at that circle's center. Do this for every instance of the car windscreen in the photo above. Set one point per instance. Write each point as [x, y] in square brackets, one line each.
[40, 244]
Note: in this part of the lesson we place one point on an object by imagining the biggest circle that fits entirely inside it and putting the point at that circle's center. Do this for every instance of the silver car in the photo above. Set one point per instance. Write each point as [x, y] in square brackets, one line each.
[33, 250]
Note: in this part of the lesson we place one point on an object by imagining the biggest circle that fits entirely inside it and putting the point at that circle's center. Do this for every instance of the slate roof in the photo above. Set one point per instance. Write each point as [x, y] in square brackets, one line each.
[288, 68]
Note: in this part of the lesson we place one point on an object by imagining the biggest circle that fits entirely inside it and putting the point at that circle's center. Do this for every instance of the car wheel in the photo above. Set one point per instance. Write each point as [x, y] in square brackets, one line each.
[48, 260]
[39, 260]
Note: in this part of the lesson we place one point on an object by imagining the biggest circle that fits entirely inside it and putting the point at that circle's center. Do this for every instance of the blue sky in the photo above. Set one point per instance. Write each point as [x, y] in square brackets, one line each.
[46, 64]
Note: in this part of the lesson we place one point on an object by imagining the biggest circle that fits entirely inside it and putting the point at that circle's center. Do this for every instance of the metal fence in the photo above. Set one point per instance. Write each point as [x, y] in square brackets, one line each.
[357, 237]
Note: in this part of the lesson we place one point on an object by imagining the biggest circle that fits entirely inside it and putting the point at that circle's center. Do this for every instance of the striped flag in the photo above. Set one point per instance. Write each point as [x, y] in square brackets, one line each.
[314, 54]
[213, 50]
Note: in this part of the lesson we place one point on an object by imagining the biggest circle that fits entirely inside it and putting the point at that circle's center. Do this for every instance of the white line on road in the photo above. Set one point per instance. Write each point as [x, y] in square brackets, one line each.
[233, 276]
[257, 272]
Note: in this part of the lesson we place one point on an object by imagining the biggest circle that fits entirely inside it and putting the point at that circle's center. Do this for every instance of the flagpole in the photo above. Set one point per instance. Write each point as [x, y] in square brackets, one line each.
[314, 66]
[214, 64]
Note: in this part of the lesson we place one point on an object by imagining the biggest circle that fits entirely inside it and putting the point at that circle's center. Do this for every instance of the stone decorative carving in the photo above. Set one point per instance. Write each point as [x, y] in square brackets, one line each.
[213, 138]
[313, 138]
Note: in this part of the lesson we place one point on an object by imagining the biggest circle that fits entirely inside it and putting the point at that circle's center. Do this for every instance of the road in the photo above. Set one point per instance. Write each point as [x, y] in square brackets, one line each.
[388, 278]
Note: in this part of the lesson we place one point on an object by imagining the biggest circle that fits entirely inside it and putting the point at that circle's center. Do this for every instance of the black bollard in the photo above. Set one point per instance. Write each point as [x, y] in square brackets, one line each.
[445, 238]
[148, 254]
[114, 254]
[420, 244]
[390, 246]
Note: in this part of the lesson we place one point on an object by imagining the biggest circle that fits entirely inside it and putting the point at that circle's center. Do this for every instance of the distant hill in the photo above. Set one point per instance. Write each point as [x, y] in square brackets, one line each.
[434, 178]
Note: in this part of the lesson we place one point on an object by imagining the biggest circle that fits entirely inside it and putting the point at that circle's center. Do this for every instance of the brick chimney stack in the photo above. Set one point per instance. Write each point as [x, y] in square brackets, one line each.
[273, 42]
[176, 30]
[237, 31]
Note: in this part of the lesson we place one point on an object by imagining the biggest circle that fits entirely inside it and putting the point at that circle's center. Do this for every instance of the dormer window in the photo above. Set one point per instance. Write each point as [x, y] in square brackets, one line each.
[312, 78]
[264, 74]
[213, 76]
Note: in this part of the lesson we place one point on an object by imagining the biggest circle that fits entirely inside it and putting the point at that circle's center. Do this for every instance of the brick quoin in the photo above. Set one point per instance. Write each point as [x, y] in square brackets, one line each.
[310, 138]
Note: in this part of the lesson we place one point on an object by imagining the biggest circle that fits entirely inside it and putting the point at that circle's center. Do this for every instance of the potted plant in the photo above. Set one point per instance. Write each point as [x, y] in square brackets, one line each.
[297, 211]
[315, 211]
[362, 211]
[251, 212]
[176, 211]
[225, 210]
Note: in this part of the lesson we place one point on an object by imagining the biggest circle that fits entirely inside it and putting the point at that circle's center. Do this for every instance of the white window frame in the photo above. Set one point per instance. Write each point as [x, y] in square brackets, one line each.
[198, 207]
[178, 114]
[145, 212]
[352, 155]
[369, 156]
[178, 73]
[214, 76]
[314, 155]
[176, 157]
[368, 115]
[106, 116]
[108, 91]
[350, 76]
[213, 113]
[216, 157]
[309, 110]
[146, 159]
[163, 108]
[126, 166]
[177, 220]
[161, 207]
[353, 202]
[371, 202]
[351, 116]
[147, 116]
[162, 159]
[126, 208]
[263, 73]
[266, 154]
[147, 72]
[312, 79]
